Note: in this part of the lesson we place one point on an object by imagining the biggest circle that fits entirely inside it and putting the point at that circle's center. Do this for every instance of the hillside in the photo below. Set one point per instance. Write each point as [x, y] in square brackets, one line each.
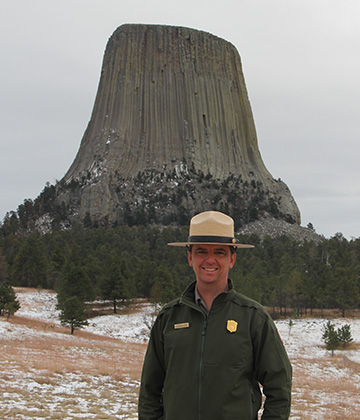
[48, 374]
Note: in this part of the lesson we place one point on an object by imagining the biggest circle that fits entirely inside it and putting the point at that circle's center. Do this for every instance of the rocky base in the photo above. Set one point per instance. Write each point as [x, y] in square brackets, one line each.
[166, 198]
[269, 226]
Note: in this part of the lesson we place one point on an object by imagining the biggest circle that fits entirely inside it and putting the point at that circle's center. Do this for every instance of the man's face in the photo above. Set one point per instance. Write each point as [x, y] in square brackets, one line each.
[211, 263]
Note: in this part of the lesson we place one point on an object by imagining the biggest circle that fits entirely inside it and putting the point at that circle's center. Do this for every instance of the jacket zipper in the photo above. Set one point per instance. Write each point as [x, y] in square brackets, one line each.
[203, 335]
[252, 400]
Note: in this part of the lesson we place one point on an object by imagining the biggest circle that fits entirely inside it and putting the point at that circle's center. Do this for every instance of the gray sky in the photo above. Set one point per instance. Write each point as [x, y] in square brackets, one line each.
[301, 61]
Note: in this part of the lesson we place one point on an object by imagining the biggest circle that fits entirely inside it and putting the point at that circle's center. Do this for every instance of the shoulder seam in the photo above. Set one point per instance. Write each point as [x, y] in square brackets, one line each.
[169, 305]
[243, 300]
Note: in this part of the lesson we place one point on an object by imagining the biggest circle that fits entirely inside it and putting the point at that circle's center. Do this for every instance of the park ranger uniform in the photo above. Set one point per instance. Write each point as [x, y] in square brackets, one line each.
[203, 365]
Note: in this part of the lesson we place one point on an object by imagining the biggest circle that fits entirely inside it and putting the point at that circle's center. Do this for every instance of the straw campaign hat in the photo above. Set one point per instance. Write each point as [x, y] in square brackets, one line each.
[212, 228]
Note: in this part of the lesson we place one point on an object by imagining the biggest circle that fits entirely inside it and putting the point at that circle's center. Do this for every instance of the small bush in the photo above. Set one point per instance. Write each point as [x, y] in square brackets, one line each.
[333, 338]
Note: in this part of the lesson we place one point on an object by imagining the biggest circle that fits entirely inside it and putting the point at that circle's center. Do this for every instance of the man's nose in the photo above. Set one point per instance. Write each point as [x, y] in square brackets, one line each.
[211, 258]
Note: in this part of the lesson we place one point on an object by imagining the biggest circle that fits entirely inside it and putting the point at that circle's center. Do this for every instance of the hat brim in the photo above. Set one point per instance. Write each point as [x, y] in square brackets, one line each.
[234, 245]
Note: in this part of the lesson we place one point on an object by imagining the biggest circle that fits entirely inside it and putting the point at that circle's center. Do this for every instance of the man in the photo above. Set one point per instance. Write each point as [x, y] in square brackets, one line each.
[210, 348]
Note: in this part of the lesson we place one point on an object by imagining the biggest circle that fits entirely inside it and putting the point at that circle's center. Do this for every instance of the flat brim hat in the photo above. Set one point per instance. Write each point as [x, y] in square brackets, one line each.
[212, 228]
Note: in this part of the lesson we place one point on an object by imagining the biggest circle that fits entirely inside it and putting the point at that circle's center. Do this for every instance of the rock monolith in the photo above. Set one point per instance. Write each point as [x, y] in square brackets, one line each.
[171, 133]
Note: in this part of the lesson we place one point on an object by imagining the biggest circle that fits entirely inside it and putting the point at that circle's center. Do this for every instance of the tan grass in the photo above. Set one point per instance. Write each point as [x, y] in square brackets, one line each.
[321, 394]
[98, 370]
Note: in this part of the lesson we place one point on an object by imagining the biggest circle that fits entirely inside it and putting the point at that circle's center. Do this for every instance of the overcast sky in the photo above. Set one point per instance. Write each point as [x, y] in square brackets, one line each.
[301, 61]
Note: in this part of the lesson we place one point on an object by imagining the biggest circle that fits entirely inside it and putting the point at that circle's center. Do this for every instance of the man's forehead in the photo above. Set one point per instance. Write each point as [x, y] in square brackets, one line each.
[212, 246]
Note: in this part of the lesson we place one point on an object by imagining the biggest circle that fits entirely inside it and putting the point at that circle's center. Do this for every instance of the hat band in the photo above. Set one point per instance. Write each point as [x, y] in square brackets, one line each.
[211, 239]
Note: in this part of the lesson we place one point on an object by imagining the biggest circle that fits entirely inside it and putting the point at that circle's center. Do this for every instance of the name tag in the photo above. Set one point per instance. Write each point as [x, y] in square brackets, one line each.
[180, 326]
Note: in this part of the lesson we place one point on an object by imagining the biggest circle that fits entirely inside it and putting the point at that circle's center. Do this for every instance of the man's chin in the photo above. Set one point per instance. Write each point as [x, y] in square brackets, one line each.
[209, 278]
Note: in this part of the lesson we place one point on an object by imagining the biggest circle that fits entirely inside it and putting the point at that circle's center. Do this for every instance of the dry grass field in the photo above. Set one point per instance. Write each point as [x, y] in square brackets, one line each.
[59, 376]
[50, 374]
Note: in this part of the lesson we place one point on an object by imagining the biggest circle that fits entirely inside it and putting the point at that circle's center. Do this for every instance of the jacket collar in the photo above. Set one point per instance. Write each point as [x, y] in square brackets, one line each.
[189, 293]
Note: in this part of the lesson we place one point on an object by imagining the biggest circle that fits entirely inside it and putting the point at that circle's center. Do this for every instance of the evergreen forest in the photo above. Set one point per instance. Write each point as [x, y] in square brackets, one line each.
[123, 262]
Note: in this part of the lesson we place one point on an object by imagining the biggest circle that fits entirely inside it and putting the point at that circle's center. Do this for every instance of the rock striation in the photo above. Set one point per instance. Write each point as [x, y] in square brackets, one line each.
[171, 133]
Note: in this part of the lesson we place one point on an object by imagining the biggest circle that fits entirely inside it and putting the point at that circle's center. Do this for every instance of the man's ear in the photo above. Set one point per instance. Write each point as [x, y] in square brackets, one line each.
[190, 258]
[232, 260]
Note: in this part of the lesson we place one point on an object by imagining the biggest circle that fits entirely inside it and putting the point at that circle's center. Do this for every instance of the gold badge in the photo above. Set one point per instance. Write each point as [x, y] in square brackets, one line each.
[180, 326]
[231, 325]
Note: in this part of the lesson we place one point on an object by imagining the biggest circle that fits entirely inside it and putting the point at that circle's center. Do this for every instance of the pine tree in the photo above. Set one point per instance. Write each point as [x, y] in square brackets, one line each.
[344, 335]
[75, 282]
[163, 289]
[115, 283]
[330, 337]
[11, 307]
[30, 267]
[8, 302]
[3, 267]
[73, 314]
[296, 290]
[345, 289]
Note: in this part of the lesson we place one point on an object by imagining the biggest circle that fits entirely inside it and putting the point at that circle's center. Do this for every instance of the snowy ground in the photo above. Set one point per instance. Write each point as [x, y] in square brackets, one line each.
[132, 327]
[74, 392]
[302, 338]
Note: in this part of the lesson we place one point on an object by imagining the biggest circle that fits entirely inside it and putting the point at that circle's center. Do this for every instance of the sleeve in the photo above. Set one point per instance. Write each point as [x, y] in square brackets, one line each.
[273, 371]
[152, 378]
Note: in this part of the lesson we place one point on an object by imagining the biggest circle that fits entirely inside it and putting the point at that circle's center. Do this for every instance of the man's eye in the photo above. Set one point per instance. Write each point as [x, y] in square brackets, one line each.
[200, 252]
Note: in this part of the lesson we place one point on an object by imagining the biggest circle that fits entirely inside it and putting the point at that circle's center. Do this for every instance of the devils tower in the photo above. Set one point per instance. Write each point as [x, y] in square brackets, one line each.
[171, 133]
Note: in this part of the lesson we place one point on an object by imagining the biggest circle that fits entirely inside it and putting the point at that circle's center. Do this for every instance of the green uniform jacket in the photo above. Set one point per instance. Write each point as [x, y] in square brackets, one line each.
[207, 367]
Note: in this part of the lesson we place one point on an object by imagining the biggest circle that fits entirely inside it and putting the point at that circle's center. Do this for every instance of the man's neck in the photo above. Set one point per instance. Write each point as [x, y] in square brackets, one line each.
[208, 292]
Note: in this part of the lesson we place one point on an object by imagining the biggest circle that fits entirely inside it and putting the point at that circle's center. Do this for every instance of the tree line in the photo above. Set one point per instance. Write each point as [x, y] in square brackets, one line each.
[121, 263]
